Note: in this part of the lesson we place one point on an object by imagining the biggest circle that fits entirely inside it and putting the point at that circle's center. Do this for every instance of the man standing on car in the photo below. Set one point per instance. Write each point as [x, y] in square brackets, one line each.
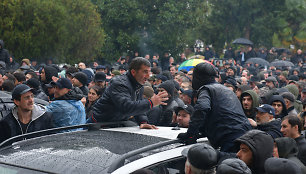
[123, 98]
[218, 114]
[26, 116]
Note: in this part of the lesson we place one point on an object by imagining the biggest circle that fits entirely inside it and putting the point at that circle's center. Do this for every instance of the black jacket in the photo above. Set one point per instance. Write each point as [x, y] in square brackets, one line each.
[10, 124]
[272, 128]
[301, 143]
[121, 100]
[218, 115]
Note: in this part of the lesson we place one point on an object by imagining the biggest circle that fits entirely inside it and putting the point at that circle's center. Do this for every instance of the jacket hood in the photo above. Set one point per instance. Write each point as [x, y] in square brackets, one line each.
[74, 94]
[50, 71]
[281, 99]
[261, 145]
[286, 147]
[293, 89]
[254, 97]
[37, 111]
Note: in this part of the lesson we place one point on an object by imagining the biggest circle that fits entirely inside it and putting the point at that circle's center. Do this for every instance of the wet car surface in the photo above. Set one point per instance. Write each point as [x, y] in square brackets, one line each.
[80, 151]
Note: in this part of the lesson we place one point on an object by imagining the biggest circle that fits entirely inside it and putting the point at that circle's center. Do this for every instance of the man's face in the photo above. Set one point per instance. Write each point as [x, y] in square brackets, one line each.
[185, 85]
[162, 90]
[28, 77]
[262, 117]
[183, 118]
[76, 82]
[277, 105]
[82, 66]
[230, 72]
[288, 130]
[26, 102]
[270, 84]
[247, 102]
[189, 74]
[172, 70]
[245, 154]
[245, 74]
[92, 95]
[60, 92]
[141, 75]
[186, 99]
[43, 75]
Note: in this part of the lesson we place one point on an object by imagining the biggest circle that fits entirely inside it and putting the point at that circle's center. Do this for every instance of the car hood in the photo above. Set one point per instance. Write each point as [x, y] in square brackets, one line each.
[75, 152]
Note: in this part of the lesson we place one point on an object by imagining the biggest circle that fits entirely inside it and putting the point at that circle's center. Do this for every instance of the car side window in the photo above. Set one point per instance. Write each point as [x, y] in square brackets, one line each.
[172, 166]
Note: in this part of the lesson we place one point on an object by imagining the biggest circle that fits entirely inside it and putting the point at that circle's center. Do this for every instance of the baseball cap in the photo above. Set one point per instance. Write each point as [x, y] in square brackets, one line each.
[100, 77]
[201, 156]
[63, 83]
[265, 108]
[187, 92]
[188, 108]
[19, 90]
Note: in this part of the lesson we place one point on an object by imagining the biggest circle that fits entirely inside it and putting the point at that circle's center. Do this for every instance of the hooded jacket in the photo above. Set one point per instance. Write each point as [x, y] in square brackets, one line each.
[122, 99]
[41, 119]
[68, 110]
[255, 103]
[288, 149]
[4, 54]
[233, 166]
[279, 98]
[261, 145]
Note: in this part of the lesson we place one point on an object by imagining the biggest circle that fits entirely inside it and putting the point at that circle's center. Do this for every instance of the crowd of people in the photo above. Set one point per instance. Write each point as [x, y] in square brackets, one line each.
[246, 110]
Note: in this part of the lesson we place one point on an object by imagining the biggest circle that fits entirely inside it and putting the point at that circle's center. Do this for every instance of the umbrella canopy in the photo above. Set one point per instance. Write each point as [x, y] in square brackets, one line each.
[196, 57]
[258, 60]
[242, 41]
[189, 64]
[281, 63]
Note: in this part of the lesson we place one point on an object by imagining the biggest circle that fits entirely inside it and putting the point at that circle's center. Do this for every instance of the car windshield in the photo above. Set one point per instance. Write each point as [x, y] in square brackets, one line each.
[75, 152]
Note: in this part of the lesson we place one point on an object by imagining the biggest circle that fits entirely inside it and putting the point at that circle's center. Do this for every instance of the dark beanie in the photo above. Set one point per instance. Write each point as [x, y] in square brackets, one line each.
[82, 77]
[33, 83]
[168, 86]
[203, 73]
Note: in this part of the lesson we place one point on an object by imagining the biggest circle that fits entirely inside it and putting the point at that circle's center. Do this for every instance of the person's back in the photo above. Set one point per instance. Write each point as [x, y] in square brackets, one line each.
[218, 112]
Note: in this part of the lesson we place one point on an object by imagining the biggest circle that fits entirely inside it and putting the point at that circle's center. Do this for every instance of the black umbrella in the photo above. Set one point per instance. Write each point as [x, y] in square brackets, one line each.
[259, 61]
[281, 63]
[242, 41]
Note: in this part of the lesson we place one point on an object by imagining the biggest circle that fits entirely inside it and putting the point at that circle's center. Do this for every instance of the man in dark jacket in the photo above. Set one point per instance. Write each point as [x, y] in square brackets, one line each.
[218, 113]
[255, 147]
[292, 127]
[123, 98]
[80, 80]
[266, 122]
[46, 75]
[4, 54]
[26, 116]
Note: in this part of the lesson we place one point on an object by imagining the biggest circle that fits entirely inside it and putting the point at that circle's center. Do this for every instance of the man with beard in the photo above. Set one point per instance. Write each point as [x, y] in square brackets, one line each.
[249, 100]
[265, 121]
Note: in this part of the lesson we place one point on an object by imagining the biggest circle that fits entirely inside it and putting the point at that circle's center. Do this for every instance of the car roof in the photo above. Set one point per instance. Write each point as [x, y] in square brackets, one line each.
[81, 151]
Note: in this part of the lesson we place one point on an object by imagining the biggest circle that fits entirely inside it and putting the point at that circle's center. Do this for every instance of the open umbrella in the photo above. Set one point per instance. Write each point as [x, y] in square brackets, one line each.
[242, 41]
[196, 57]
[189, 64]
[258, 60]
[281, 63]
